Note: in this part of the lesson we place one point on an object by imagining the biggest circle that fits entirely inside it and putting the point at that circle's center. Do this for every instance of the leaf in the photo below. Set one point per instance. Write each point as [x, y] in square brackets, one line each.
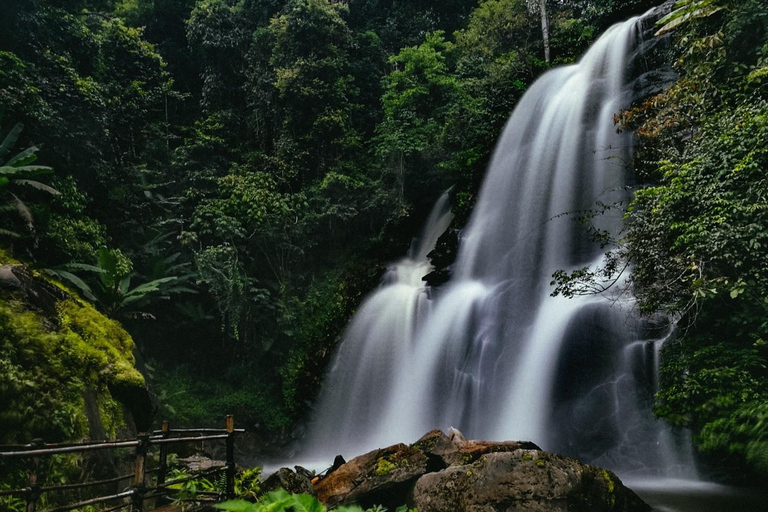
[10, 234]
[10, 139]
[84, 266]
[684, 11]
[73, 279]
[24, 158]
[24, 212]
[307, 503]
[39, 186]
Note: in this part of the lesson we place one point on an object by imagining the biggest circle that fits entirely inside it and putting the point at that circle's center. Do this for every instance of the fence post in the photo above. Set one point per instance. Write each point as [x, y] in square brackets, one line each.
[34, 485]
[230, 456]
[139, 472]
[163, 468]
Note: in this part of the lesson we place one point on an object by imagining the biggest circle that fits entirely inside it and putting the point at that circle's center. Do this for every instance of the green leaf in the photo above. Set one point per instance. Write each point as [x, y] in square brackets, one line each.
[307, 503]
[238, 506]
[39, 186]
[11, 139]
[24, 158]
[74, 280]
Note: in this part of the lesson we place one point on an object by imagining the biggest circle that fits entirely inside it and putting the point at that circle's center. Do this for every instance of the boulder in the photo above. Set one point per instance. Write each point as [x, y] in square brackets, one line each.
[524, 480]
[294, 482]
[452, 450]
[381, 477]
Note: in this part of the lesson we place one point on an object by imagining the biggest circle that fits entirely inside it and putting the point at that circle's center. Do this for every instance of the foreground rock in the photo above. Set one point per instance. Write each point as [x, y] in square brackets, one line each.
[529, 480]
[383, 476]
[292, 481]
[439, 473]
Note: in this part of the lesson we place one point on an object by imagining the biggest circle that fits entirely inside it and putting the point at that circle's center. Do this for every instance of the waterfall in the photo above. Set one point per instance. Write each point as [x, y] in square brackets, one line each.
[375, 345]
[492, 353]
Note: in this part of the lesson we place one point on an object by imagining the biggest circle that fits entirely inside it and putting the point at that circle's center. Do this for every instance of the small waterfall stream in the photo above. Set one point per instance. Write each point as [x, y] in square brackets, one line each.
[492, 353]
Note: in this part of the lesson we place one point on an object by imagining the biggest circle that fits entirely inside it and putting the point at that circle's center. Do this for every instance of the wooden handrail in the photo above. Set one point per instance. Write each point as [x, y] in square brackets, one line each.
[139, 491]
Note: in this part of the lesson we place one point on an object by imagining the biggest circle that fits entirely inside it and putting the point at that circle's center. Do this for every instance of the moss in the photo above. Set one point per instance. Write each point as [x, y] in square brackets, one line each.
[609, 481]
[527, 456]
[48, 363]
[541, 463]
[384, 467]
[5, 258]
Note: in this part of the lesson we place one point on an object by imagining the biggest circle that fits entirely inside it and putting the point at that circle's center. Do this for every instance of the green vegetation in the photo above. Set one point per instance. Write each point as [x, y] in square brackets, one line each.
[281, 501]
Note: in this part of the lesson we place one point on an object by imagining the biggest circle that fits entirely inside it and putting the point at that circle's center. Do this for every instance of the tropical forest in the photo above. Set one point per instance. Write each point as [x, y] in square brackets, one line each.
[369, 255]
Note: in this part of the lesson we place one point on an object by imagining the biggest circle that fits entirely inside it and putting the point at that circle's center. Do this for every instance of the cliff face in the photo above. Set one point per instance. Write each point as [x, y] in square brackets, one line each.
[66, 371]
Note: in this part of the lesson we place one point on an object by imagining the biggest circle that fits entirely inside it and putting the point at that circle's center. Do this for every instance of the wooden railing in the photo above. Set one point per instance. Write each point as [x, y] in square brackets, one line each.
[138, 492]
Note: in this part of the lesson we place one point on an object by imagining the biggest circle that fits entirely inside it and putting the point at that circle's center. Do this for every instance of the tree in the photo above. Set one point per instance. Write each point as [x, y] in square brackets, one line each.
[544, 28]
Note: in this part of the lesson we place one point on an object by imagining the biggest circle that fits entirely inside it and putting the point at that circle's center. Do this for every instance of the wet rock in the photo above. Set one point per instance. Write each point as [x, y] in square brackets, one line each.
[524, 480]
[284, 478]
[381, 477]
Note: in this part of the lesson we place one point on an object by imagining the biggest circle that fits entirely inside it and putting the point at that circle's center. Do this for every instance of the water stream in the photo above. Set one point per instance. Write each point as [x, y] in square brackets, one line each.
[492, 353]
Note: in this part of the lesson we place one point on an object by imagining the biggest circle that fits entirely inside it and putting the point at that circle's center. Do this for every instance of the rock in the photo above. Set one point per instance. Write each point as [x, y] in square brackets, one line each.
[456, 437]
[443, 451]
[40, 292]
[380, 477]
[524, 480]
[7, 278]
[284, 478]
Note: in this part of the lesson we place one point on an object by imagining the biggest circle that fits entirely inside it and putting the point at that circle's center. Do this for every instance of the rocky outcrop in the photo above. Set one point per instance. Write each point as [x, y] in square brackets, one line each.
[529, 480]
[383, 476]
[447, 473]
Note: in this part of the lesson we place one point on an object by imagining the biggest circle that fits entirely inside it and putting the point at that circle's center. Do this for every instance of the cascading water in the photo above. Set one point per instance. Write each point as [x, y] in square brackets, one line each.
[377, 341]
[494, 355]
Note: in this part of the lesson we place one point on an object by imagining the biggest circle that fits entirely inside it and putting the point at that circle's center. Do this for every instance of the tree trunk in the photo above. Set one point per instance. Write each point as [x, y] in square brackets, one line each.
[544, 28]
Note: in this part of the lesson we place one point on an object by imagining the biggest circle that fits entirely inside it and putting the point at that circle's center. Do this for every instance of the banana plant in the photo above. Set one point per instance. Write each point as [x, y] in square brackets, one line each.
[684, 11]
[17, 170]
[111, 288]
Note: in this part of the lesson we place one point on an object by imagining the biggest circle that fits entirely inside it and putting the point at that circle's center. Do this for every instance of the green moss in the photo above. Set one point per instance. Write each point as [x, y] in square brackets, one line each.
[384, 467]
[48, 363]
[541, 463]
[527, 456]
[609, 481]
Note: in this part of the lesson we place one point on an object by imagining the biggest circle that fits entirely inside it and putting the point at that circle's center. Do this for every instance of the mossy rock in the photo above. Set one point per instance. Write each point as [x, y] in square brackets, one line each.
[56, 353]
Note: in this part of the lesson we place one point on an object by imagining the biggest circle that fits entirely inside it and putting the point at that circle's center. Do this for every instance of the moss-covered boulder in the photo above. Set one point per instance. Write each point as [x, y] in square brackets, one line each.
[66, 371]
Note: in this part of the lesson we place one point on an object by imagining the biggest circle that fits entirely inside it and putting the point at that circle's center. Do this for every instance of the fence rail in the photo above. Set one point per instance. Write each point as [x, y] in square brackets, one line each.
[139, 492]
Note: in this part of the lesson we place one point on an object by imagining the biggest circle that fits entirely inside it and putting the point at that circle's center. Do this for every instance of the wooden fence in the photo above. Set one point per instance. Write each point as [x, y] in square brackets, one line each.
[138, 493]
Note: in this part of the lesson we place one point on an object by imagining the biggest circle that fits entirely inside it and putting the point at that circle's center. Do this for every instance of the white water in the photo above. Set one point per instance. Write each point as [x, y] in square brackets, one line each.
[493, 354]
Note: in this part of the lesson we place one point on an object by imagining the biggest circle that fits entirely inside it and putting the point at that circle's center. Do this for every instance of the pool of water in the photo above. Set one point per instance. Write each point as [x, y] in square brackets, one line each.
[670, 495]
